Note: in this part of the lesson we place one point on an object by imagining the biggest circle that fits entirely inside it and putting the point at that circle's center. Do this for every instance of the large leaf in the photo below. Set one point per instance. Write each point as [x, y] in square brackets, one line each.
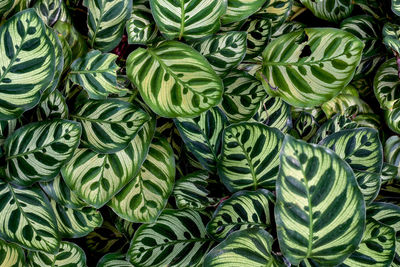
[25, 71]
[250, 156]
[26, 218]
[97, 74]
[174, 79]
[191, 192]
[114, 260]
[188, 19]
[308, 67]
[241, 9]
[224, 51]
[11, 255]
[37, 151]
[242, 96]
[244, 209]
[202, 136]
[106, 21]
[96, 178]
[48, 10]
[68, 255]
[320, 212]
[330, 10]
[249, 247]
[360, 147]
[387, 85]
[143, 199]
[178, 238]
[74, 223]
[141, 27]
[109, 125]
[376, 248]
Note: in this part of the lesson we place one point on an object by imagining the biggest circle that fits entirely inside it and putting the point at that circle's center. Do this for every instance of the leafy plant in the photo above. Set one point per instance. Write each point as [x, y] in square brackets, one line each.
[199, 133]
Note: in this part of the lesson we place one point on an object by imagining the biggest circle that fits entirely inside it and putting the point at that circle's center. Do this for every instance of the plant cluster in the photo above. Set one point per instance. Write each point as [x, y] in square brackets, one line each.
[232, 133]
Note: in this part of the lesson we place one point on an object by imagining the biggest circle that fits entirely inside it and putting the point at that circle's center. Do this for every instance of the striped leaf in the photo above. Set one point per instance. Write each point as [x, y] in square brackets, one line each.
[52, 107]
[114, 260]
[97, 74]
[396, 7]
[28, 70]
[258, 33]
[202, 136]
[7, 6]
[391, 36]
[287, 27]
[392, 150]
[360, 147]
[320, 212]
[342, 102]
[274, 112]
[376, 248]
[277, 11]
[389, 173]
[191, 192]
[109, 125]
[48, 10]
[369, 184]
[37, 151]
[76, 41]
[141, 27]
[367, 29]
[241, 9]
[26, 218]
[58, 190]
[243, 210]
[308, 67]
[189, 19]
[106, 21]
[305, 126]
[250, 156]
[242, 96]
[387, 85]
[174, 79]
[6, 129]
[68, 255]
[330, 10]
[335, 124]
[388, 214]
[96, 178]
[178, 238]
[143, 199]
[249, 247]
[223, 51]
[392, 118]
[74, 223]
[11, 255]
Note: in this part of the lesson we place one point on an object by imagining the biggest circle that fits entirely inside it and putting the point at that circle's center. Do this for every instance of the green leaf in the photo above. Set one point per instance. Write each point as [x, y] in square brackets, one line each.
[174, 79]
[258, 33]
[114, 260]
[191, 192]
[369, 184]
[109, 125]
[26, 218]
[241, 9]
[360, 147]
[242, 96]
[392, 150]
[335, 124]
[223, 51]
[77, 43]
[249, 247]
[387, 85]
[7, 6]
[188, 19]
[342, 102]
[68, 255]
[178, 238]
[26, 71]
[330, 10]
[141, 27]
[306, 68]
[11, 255]
[277, 11]
[37, 151]
[74, 223]
[391, 36]
[305, 126]
[202, 136]
[244, 209]
[52, 107]
[48, 10]
[106, 21]
[392, 118]
[6, 129]
[320, 212]
[143, 199]
[389, 173]
[396, 7]
[58, 190]
[287, 27]
[274, 112]
[250, 156]
[96, 178]
[97, 74]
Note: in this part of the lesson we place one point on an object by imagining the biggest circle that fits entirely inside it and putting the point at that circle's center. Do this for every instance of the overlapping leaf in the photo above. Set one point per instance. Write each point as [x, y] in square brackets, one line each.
[53, 106]
[49, 11]
[141, 27]
[241, 9]
[114, 260]
[11, 255]
[331, 10]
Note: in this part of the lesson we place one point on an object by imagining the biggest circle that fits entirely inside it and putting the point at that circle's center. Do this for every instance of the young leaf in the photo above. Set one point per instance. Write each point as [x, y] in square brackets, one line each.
[141, 27]
[11, 255]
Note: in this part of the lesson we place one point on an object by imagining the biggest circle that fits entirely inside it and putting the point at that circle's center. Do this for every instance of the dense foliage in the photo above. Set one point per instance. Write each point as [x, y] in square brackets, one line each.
[226, 133]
